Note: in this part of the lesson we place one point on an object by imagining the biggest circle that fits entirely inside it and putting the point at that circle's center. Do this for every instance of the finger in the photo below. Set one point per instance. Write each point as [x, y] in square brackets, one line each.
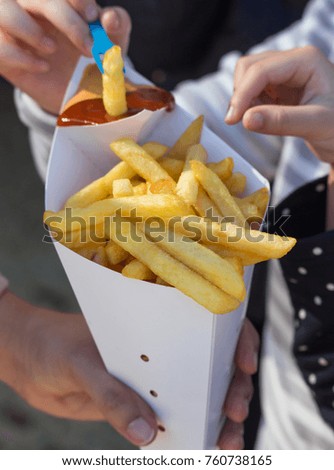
[14, 57]
[245, 62]
[289, 68]
[232, 436]
[117, 23]
[306, 121]
[247, 352]
[88, 9]
[20, 25]
[68, 21]
[239, 395]
[121, 406]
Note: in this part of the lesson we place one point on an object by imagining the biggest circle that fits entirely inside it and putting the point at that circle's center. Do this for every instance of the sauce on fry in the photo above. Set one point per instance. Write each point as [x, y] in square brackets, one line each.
[92, 112]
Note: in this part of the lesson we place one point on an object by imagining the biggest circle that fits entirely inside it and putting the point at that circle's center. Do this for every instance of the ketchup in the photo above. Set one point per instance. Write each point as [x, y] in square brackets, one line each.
[92, 112]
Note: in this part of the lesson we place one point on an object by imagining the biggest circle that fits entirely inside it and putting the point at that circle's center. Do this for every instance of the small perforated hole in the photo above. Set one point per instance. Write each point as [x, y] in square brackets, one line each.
[153, 393]
[144, 358]
[161, 428]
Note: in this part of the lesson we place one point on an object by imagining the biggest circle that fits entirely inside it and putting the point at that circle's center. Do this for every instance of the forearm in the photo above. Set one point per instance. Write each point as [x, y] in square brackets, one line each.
[13, 331]
[330, 200]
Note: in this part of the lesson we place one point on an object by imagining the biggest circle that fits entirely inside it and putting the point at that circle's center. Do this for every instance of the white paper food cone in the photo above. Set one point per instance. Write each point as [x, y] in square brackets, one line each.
[190, 351]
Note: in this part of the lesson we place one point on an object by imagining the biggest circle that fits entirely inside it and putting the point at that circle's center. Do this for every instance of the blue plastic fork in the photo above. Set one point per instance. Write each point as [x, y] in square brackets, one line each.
[101, 42]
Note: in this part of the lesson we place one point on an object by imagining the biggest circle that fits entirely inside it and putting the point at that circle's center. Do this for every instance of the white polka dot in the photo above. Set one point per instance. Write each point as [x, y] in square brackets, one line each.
[330, 286]
[322, 361]
[312, 379]
[302, 314]
[293, 281]
[320, 187]
[317, 300]
[286, 211]
[302, 270]
[303, 348]
[317, 251]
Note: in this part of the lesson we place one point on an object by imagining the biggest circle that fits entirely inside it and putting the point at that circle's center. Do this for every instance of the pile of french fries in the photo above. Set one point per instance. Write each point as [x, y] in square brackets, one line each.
[203, 252]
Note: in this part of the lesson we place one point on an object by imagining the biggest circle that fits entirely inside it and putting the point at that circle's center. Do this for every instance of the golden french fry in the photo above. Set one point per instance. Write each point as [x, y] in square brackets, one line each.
[115, 253]
[173, 271]
[259, 198]
[187, 186]
[237, 239]
[162, 282]
[137, 270]
[205, 207]
[191, 136]
[223, 169]
[236, 184]
[153, 205]
[245, 258]
[161, 187]
[218, 192]
[122, 188]
[141, 162]
[236, 263]
[114, 92]
[100, 257]
[249, 210]
[140, 188]
[88, 250]
[155, 149]
[173, 167]
[205, 262]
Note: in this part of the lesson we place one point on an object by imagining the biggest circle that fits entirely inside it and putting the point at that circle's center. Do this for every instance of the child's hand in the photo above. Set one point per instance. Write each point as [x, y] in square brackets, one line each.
[41, 40]
[287, 93]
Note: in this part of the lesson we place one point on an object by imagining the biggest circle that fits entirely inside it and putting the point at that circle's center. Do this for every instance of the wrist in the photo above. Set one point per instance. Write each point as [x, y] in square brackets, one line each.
[14, 325]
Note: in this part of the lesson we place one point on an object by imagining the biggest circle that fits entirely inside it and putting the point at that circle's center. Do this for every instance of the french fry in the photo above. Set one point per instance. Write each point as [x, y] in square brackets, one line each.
[223, 169]
[115, 253]
[154, 205]
[114, 92]
[142, 163]
[191, 136]
[237, 239]
[100, 257]
[218, 192]
[205, 207]
[236, 263]
[122, 188]
[137, 270]
[161, 187]
[173, 271]
[249, 210]
[187, 186]
[205, 262]
[236, 184]
[140, 189]
[88, 250]
[245, 258]
[161, 282]
[173, 167]
[259, 198]
[155, 149]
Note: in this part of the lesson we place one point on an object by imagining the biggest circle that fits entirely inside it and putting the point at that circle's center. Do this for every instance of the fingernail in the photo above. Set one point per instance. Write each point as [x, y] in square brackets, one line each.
[230, 114]
[91, 12]
[255, 121]
[140, 431]
[49, 43]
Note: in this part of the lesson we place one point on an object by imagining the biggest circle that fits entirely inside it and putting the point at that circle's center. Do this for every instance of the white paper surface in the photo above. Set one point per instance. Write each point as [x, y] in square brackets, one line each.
[190, 349]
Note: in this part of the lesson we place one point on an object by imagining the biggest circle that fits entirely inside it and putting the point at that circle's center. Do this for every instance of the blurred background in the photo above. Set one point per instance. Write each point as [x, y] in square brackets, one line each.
[171, 41]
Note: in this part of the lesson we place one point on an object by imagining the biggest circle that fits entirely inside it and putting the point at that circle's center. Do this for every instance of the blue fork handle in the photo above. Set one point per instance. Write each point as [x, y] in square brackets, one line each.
[101, 42]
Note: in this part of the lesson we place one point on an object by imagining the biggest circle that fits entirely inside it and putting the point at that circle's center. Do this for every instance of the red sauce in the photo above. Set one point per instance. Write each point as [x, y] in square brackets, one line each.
[92, 112]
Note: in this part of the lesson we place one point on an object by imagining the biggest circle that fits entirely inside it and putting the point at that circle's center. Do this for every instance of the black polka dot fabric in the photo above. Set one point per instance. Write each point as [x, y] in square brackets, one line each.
[309, 273]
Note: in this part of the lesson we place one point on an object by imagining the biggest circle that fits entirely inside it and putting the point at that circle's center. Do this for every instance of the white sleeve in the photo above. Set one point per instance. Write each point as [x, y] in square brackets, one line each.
[41, 126]
[210, 95]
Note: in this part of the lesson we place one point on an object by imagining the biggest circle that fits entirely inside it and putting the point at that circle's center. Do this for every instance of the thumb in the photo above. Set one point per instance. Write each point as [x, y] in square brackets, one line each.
[301, 121]
[121, 407]
[117, 23]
